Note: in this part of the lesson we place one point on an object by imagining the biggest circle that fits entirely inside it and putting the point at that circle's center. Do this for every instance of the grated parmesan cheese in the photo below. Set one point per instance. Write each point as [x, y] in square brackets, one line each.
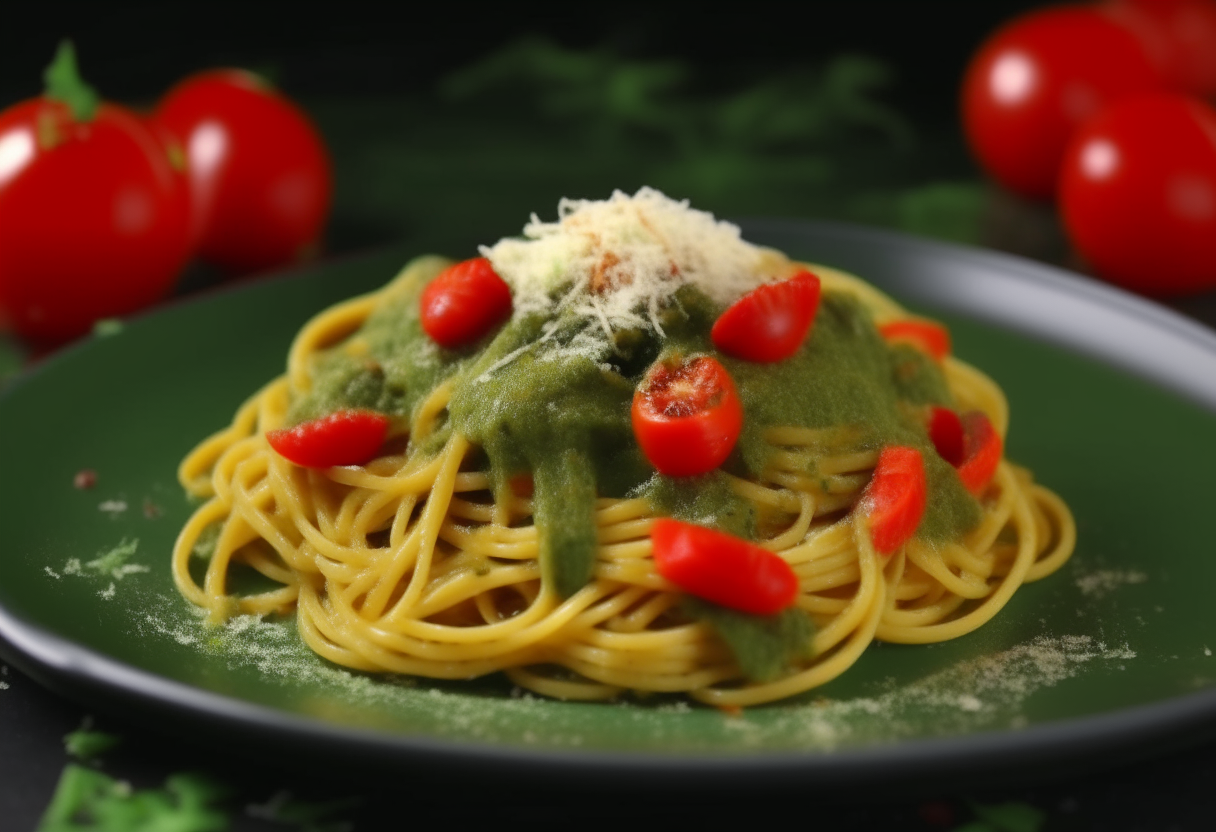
[1101, 583]
[615, 261]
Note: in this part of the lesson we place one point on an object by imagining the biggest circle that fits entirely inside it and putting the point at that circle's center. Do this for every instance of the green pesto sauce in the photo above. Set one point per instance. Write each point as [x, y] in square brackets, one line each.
[389, 365]
[765, 646]
[706, 500]
[538, 396]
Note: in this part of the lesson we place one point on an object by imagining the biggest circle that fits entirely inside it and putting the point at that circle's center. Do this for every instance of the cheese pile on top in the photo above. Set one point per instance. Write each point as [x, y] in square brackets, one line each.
[616, 261]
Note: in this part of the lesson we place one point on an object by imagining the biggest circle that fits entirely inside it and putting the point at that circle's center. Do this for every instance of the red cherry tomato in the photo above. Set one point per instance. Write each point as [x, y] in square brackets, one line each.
[94, 219]
[770, 322]
[927, 336]
[259, 172]
[982, 448]
[946, 433]
[1138, 194]
[347, 437]
[722, 568]
[1035, 80]
[969, 443]
[463, 303]
[1179, 37]
[895, 497]
[687, 417]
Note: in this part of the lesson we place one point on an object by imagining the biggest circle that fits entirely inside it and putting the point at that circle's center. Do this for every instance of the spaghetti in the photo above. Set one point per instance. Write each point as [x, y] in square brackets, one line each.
[429, 560]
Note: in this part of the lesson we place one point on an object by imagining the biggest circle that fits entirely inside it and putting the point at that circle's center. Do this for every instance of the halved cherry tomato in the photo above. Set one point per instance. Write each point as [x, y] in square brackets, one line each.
[895, 497]
[969, 443]
[982, 454]
[928, 336]
[770, 322]
[464, 302]
[946, 432]
[722, 568]
[687, 416]
[347, 437]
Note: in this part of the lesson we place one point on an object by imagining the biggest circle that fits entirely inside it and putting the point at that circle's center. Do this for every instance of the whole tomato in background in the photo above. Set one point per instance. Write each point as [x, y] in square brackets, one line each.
[260, 176]
[94, 214]
[1138, 194]
[1179, 37]
[1036, 80]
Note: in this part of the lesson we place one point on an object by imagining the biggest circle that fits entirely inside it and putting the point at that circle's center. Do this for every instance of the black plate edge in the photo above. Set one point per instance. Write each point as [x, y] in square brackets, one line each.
[1067, 747]
[1072, 746]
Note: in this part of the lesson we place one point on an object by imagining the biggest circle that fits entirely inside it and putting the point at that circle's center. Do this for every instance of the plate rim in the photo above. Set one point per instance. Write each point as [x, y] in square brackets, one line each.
[1098, 740]
[1071, 744]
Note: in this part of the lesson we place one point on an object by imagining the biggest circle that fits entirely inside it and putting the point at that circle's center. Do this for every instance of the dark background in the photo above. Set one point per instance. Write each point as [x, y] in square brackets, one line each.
[414, 164]
[132, 50]
[407, 151]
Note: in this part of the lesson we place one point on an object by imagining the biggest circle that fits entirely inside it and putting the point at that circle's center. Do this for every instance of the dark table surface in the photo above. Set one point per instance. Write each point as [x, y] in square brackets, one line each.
[447, 142]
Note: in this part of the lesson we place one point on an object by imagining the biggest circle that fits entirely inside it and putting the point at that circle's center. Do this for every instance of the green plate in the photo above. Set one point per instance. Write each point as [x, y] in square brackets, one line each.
[1113, 404]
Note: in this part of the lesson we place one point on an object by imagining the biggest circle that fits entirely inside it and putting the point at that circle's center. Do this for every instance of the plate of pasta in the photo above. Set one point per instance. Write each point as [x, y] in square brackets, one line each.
[637, 489]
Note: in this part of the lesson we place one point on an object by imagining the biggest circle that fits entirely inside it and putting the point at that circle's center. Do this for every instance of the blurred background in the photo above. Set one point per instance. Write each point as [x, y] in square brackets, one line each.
[449, 127]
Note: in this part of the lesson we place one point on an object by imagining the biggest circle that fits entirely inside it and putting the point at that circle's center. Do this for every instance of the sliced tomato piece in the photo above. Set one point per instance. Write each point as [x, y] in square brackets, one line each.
[722, 568]
[346, 437]
[982, 454]
[770, 322]
[895, 498]
[946, 432]
[928, 336]
[969, 443]
[464, 302]
[687, 416]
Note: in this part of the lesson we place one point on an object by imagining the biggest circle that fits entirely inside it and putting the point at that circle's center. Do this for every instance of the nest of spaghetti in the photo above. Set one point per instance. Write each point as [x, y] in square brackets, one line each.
[542, 493]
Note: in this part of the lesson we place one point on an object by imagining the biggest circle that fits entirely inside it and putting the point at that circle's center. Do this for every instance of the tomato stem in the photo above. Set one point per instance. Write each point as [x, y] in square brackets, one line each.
[63, 83]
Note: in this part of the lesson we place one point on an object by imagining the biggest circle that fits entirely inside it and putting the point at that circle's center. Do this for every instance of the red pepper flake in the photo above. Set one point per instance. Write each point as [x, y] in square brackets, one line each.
[151, 509]
[85, 478]
[732, 711]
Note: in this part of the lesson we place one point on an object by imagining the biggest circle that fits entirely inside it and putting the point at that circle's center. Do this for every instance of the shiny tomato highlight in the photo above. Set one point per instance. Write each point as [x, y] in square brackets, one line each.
[1036, 80]
[260, 176]
[687, 416]
[1138, 194]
